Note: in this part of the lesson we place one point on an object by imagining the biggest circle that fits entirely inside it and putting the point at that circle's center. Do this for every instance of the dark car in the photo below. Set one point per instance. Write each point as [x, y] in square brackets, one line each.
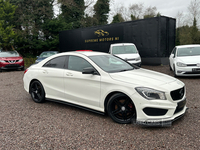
[44, 55]
[11, 60]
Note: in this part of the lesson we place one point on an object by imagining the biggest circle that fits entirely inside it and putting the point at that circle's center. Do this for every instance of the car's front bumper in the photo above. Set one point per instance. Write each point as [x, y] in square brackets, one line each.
[161, 112]
[188, 71]
[162, 122]
[137, 63]
[12, 67]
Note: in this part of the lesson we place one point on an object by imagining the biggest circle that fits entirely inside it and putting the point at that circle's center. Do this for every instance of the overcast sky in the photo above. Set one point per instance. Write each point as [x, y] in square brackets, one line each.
[168, 8]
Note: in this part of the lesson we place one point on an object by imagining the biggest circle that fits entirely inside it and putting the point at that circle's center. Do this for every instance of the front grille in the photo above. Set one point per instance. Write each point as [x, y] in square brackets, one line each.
[191, 64]
[177, 94]
[197, 72]
[11, 61]
[131, 59]
[12, 66]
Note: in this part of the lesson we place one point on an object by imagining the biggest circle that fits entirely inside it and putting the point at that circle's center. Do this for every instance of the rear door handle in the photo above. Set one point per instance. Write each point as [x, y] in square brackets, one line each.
[69, 74]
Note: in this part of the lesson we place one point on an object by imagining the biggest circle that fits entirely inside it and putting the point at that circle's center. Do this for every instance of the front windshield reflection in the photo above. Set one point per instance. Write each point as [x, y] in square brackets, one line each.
[111, 63]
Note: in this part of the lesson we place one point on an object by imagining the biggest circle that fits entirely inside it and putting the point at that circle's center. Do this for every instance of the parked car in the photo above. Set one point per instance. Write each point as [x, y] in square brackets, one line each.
[126, 51]
[11, 60]
[185, 60]
[107, 84]
[44, 55]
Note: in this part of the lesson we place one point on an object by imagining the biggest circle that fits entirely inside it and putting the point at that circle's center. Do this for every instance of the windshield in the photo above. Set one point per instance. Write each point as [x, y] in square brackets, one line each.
[47, 54]
[9, 54]
[189, 51]
[125, 49]
[111, 64]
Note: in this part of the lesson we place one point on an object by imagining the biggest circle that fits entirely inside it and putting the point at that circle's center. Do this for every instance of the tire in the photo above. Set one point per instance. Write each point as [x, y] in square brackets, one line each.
[170, 68]
[22, 69]
[121, 109]
[175, 72]
[37, 92]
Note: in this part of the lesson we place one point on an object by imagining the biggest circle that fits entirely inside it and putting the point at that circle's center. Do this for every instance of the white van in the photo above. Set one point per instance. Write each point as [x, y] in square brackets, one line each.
[126, 51]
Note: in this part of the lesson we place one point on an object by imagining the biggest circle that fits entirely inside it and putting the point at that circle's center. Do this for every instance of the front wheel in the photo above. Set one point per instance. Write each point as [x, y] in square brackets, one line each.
[37, 92]
[121, 109]
[175, 72]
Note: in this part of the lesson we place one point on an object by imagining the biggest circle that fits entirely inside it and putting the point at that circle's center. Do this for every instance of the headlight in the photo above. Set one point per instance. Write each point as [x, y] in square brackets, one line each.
[20, 60]
[2, 61]
[137, 58]
[181, 64]
[151, 94]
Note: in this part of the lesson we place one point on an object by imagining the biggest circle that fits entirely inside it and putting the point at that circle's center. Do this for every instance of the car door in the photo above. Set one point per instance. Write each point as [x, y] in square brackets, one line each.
[51, 76]
[82, 89]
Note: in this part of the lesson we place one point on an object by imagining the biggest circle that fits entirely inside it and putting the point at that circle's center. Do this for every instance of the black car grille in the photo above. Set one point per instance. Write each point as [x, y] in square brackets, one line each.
[11, 61]
[12, 66]
[177, 94]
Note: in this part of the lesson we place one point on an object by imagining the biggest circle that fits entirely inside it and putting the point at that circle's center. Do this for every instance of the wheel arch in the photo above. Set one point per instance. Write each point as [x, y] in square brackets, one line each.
[110, 95]
[32, 82]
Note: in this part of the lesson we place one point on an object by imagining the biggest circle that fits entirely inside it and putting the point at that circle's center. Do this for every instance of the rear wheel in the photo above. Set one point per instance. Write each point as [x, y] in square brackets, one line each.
[121, 109]
[37, 92]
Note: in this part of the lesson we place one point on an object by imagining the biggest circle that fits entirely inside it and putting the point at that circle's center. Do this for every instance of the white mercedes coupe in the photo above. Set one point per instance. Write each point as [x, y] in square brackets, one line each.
[104, 83]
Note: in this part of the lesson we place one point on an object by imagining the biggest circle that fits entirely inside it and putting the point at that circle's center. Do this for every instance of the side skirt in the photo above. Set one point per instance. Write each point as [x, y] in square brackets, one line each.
[77, 106]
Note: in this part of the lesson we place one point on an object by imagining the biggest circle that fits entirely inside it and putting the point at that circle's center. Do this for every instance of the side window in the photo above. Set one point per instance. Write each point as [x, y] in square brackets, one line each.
[57, 62]
[77, 63]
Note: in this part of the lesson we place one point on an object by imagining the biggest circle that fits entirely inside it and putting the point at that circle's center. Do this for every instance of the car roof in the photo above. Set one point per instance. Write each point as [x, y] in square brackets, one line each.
[189, 45]
[119, 44]
[86, 53]
[48, 51]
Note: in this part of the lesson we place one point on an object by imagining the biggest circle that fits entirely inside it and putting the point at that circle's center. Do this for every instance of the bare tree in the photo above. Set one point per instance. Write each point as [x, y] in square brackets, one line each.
[121, 9]
[136, 10]
[150, 12]
[194, 8]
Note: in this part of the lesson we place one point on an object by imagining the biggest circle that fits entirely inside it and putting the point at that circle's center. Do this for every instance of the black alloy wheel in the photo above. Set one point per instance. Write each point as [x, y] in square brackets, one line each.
[37, 92]
[121, 109]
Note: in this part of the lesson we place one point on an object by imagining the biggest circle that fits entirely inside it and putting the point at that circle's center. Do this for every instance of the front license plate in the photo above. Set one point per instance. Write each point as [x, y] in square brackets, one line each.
[196, 69]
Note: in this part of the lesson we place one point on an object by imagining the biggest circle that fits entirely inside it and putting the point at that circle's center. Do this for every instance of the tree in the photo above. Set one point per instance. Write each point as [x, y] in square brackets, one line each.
[117, 18]
[194, 33]
[73, 12]
[30, 19]
[136, 11]
[7, 33]
[101, 10]
[150, 12]
[194, 8]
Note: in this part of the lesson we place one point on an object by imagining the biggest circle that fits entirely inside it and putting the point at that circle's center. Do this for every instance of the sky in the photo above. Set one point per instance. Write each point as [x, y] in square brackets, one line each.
[168, 8]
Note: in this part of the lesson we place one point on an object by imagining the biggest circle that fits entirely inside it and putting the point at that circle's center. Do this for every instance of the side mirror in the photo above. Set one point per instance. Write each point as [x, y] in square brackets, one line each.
[90, 70]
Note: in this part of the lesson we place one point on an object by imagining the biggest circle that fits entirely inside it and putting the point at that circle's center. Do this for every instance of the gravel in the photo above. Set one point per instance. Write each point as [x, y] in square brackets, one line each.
[28, 125]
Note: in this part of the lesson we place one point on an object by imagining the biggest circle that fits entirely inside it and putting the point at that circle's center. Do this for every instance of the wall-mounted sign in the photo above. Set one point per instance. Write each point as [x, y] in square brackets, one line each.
[106, 34]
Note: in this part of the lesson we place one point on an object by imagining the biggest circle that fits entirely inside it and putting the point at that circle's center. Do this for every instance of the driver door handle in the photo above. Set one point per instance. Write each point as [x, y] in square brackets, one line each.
[69, 74]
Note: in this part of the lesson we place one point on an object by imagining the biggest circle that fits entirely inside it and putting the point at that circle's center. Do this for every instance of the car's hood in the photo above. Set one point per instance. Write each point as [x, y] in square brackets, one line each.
[128, 56]
[143, 77]
[189, 59]
[11, 58]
